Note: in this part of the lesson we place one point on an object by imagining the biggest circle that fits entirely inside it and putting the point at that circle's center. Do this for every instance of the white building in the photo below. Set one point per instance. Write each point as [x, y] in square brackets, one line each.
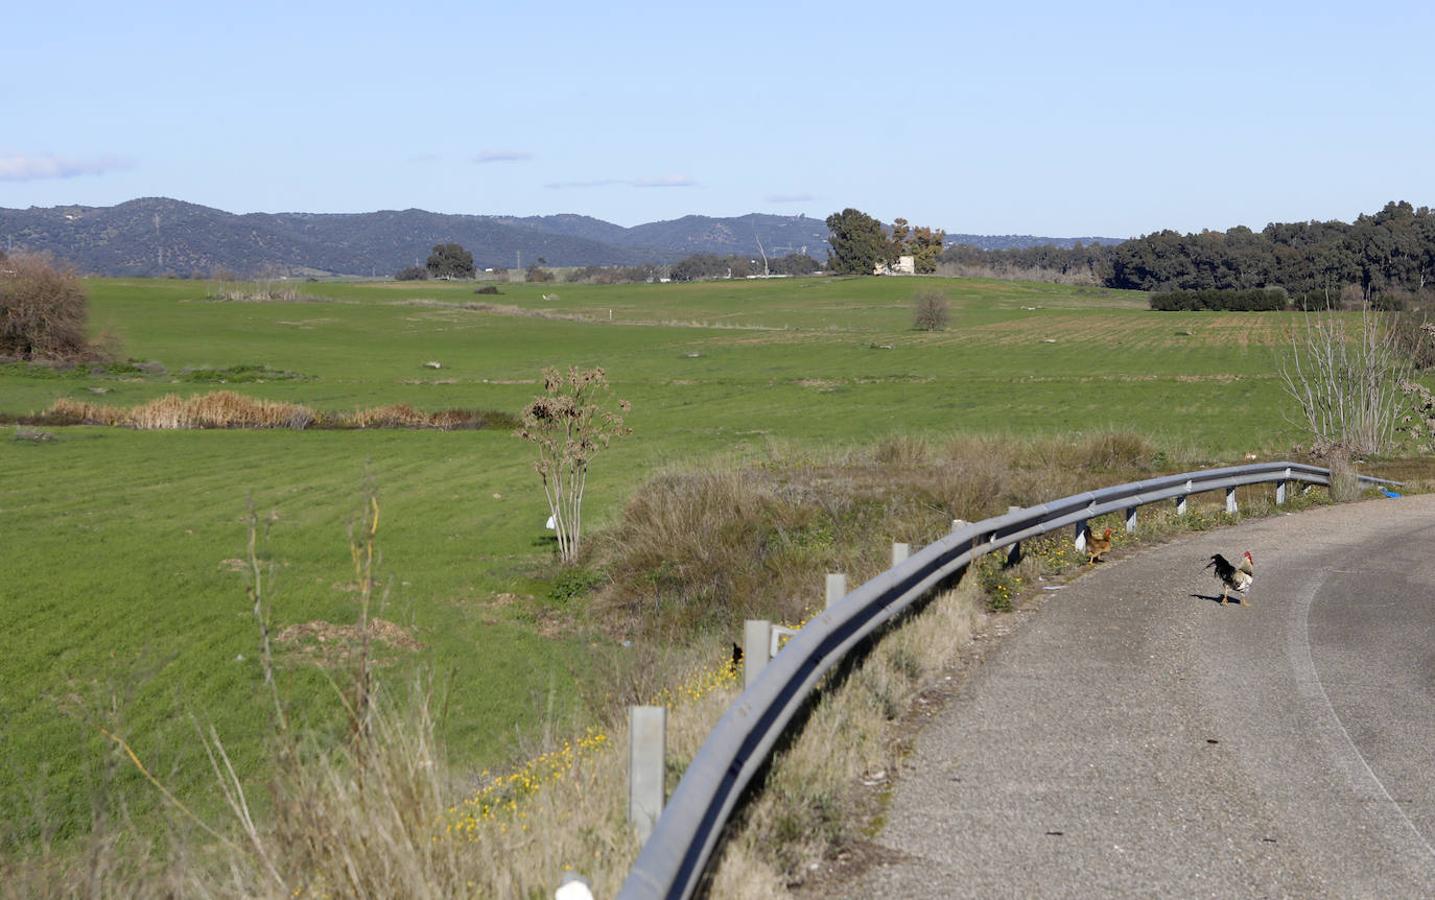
[905, 265]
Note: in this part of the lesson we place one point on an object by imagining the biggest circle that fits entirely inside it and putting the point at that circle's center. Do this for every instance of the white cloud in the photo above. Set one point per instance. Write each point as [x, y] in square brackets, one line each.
[496, 156]
[660, 181]
[33, 167]
[664, 181]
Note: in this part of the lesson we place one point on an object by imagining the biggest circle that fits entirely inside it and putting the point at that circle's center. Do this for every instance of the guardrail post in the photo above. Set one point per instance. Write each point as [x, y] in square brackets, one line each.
[756, 642]
[1231, 500]
[900, 552]
[836, 587]
[1281, 489]
[958, 523]
[1013, 553]
[647, 768]
[1131, 518]
[1082, 530]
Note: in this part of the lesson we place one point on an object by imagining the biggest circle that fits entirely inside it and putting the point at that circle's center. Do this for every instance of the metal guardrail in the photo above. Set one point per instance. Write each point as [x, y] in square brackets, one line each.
[674, 857]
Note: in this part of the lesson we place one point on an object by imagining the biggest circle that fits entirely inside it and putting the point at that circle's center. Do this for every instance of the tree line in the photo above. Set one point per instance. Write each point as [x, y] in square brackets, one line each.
[1383, 255]
[861, 243]
[701, 266]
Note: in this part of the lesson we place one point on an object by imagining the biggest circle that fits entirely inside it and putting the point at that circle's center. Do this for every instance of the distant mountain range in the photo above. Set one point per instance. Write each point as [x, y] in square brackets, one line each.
[159, 236]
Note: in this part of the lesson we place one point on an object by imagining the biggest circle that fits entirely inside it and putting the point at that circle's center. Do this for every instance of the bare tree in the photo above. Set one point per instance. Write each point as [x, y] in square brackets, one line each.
[931, 311]
[570, 425]
[43, 309]
[1344, 370]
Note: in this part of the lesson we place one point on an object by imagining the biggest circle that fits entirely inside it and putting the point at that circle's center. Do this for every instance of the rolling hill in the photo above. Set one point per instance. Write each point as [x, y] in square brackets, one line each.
[161, 236]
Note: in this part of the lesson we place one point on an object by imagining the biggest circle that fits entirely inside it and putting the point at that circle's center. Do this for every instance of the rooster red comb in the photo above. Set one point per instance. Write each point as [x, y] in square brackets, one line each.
[1247, 554]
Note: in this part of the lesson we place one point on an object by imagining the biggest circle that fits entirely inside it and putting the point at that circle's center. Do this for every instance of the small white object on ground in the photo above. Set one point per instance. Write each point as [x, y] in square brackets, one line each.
[433, 364]
[574, 887]
[552, 525]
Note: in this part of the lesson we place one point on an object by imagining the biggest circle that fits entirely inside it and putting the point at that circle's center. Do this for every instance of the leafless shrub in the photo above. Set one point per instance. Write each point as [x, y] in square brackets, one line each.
[931, 311]
[43, 310]
[569, 426]
[1344, 373]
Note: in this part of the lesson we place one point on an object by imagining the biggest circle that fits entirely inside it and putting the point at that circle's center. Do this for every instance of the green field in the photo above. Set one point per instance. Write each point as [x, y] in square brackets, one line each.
[117, 581]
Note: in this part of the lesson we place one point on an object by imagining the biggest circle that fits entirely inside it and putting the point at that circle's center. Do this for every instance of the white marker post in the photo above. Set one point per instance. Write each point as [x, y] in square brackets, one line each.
[647, 768]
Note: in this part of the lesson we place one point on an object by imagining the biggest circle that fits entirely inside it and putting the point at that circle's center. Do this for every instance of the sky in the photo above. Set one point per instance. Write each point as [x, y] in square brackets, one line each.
[1060, 119]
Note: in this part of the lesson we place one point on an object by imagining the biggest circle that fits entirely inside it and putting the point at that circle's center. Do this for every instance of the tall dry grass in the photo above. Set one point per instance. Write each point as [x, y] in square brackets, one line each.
[819, 792]
[696, 550]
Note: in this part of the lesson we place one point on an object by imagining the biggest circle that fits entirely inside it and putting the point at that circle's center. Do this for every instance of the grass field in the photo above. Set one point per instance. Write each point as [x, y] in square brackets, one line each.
[118, 547]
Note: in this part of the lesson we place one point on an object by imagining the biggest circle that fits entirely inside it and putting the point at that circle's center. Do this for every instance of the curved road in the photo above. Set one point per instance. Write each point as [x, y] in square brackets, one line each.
[1134, 738]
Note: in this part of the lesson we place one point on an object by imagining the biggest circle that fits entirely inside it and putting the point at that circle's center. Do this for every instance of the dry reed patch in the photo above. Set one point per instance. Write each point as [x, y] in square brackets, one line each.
[329, 645]
[226, 409]
[262, 293]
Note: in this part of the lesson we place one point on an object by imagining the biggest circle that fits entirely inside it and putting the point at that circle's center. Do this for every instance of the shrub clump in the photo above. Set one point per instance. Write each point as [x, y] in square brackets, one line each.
[1253, 300]
[43, 310]
[931, 311]
[696, 551]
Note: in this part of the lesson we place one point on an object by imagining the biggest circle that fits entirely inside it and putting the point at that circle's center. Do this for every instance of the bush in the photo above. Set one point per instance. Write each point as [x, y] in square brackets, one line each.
[931, 311]
[1254, 300]
[43, 310]
[538, 274]
[412, 273]
[487, 289]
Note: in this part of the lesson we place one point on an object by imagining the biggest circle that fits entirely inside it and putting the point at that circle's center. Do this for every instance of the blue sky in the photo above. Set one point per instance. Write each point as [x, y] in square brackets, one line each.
[1047, 118]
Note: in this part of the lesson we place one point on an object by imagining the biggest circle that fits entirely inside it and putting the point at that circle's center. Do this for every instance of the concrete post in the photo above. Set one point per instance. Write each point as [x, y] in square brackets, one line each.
[1280, 493]
[1131, 518]
[1082, 530]
[647, 767]
[900, 552]
[836, 587]
[958, 523]
[1181, 505]
[1231, 500]
[756, 641]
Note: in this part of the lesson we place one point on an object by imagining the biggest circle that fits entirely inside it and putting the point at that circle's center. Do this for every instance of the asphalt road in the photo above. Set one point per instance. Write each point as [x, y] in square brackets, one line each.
[1134, 738]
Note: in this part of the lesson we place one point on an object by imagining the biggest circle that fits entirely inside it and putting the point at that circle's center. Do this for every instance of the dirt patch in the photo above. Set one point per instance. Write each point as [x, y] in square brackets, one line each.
[326, 644]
